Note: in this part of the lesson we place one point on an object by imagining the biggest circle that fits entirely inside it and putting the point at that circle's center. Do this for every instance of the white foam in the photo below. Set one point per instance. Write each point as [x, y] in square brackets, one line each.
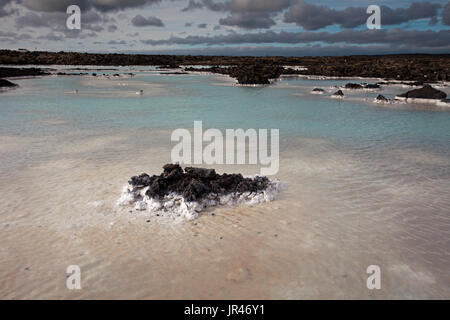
[438, 102]
[175, 207]
[443, 103]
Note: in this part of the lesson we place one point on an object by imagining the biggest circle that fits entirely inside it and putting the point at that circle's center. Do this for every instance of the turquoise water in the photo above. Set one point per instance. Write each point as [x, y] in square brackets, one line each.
[367, 184]
[199, 97]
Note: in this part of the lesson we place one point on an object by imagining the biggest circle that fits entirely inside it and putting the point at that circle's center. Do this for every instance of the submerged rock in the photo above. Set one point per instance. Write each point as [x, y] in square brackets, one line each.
[427, 92]
[380, 98]
[186, 192]
[338, 94]
[318, 91]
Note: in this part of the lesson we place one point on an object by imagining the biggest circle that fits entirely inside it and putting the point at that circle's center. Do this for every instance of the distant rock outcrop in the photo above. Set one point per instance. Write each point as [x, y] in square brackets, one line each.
[353, 86]
[427, 92]
[6, 84]
[6, 72]
[372, 86]
[247, 74]
[255, 74]
[408, 67]
[356, 86]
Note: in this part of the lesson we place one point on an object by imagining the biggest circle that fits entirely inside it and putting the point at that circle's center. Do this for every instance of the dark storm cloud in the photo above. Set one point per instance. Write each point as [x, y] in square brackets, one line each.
[112, 28]
[250, 14]
[117, 42]
[446, 14]
[101, 5]
[254, 14]
[8, 34]
[3, 11]
[248, 20]
[55, 5]
[417, 10]
[24, 37]
[214, 6]
[236, 6]
[108, 5]
[192, 5]
[362, 37]
[57, 21]
[52, 37]
[267, 6]
[313, 17]
[31, 19]
[140, 21]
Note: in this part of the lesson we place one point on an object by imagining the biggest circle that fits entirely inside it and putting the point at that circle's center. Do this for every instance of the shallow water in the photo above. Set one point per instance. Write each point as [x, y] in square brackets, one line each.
[368, 185]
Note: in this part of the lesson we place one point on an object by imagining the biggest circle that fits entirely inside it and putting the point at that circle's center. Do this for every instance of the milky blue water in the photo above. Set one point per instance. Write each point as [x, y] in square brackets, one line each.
[219, 105]
[367, 183]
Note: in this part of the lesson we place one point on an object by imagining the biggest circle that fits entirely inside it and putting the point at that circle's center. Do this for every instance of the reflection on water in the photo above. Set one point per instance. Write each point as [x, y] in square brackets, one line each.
[367, 185]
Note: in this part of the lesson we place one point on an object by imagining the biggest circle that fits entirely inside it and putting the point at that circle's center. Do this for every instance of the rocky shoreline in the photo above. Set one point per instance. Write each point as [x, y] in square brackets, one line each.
[6, 72]
[7, 84]
[425, 94]
[420, 68]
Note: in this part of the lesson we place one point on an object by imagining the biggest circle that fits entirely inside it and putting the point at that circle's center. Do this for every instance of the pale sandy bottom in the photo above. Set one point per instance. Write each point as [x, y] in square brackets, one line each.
[340, 214]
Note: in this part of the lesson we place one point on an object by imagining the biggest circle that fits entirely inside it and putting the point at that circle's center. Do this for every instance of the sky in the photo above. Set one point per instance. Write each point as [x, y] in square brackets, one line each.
[227, 27]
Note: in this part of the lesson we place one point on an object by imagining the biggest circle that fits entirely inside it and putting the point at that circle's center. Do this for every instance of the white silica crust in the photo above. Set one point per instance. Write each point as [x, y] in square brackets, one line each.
[438, 102]
[443, 103]
[176, 207]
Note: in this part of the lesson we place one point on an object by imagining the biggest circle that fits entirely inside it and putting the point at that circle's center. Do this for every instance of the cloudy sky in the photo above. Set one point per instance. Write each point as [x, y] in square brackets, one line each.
[223, 27]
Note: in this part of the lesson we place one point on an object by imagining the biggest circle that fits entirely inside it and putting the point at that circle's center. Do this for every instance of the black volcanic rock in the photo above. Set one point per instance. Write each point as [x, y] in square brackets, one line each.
[318, 90]
[169, 66]
[381, 98]
[6, 84]
[255, 74]
[338, 93]
[427, 92]
[196, 183]
[246, 74]
[372, 86]
[353, 86]
[404, 67]
[21, 72]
